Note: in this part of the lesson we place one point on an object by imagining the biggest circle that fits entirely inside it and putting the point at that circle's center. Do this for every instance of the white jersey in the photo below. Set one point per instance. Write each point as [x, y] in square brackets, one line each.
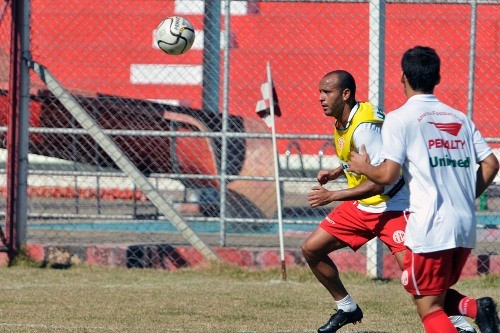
[439, 149]
[369, 135]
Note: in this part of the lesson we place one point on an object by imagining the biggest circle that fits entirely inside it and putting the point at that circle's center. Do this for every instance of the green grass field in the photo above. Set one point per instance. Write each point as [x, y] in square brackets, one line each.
[214, 299]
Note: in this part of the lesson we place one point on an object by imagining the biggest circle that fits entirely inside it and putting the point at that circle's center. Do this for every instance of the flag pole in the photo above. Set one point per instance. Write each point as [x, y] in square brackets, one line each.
[276, 174]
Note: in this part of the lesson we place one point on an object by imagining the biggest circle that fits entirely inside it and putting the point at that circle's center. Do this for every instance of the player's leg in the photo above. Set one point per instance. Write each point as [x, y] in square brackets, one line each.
[434, 319]
[428, 276]
[315, 250]
[339, 229]
[483, 309]
[399, 256]
[459, 322]
[389, 232]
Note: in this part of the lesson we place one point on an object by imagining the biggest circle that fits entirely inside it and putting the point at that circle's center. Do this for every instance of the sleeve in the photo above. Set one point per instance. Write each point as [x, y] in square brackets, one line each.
[393, 139]
[368, 134]
[481, 147]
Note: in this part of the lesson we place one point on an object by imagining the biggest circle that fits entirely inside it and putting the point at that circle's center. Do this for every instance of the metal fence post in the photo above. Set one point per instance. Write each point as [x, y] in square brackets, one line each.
[374, 254]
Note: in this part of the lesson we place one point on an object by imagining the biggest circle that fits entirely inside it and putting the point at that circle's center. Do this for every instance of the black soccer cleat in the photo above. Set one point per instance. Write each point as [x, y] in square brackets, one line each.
[461, 330]
[341, 318]
[487, 316]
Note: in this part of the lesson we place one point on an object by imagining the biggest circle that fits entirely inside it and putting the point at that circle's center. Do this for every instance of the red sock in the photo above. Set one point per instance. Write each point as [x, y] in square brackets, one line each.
[468, 307]
[456, 304]
[438, 322]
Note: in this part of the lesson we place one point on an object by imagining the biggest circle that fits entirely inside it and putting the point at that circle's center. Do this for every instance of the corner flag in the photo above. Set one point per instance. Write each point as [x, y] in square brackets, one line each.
[263, 107]
[267, 108]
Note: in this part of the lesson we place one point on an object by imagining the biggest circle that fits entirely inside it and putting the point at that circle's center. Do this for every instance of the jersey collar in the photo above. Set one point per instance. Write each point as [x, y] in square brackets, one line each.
[423, 98]
[351, 115]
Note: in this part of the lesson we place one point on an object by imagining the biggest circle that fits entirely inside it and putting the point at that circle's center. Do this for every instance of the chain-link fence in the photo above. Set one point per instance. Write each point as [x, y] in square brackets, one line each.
[131, 150]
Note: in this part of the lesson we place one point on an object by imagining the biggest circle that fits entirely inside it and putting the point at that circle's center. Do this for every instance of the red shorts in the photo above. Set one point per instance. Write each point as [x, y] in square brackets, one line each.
[433, 273]
[356, 227]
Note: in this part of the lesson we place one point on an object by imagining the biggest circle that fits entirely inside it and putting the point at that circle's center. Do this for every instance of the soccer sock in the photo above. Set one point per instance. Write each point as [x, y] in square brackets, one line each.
[438, 322]
[468, 307]
[461, 322]
[458, 304]
[346, 304]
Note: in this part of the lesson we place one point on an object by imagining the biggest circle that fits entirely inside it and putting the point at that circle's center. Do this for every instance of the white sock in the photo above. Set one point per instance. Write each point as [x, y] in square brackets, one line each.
[461, 322]
[346, 304]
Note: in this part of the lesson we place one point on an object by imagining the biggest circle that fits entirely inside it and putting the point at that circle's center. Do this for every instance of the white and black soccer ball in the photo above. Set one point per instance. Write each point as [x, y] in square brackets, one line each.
[175, 35]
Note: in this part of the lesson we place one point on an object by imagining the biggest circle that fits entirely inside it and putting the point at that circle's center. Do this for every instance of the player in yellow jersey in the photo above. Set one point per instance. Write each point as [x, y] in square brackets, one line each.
[368, 210]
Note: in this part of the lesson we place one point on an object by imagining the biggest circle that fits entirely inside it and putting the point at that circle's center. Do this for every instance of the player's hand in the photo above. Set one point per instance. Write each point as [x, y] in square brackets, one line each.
[319, 196]
[323, 177]
[358, 161]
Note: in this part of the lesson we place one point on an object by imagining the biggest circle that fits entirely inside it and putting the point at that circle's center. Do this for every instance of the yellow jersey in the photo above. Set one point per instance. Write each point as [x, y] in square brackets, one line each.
[343, 140]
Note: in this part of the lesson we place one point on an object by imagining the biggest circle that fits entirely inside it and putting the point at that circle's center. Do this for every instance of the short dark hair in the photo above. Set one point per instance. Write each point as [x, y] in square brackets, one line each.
[421, 66]
[346, 81]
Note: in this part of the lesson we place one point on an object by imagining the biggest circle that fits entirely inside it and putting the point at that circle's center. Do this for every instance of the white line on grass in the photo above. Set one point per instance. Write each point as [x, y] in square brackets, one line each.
[57, 327]
[126, 286]
[72, 286]
[28, 286]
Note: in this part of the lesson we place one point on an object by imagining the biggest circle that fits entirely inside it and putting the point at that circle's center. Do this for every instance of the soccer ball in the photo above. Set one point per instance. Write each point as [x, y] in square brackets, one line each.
[175, 35]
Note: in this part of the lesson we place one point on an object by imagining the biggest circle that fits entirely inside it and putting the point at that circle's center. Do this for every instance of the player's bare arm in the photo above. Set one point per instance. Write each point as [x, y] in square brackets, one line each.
[386, 173]
[488, 169]
[319, 196]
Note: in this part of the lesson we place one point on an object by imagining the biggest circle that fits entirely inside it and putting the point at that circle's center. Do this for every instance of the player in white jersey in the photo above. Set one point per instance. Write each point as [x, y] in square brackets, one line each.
[368, 210]
[447, 164]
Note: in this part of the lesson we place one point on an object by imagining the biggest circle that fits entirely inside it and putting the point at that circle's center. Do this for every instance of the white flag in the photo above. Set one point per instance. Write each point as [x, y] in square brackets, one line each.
[263, 107]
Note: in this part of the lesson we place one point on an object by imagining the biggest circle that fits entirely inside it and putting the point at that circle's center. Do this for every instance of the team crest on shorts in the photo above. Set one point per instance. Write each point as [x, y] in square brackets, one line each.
[398, 236]
[404, 278]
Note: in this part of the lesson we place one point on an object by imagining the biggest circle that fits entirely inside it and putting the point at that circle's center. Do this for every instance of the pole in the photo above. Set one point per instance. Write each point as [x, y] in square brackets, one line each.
[17, 135]
[374, 253]
[472, 59]
[224, 138]
[211, 56]
[276, 175]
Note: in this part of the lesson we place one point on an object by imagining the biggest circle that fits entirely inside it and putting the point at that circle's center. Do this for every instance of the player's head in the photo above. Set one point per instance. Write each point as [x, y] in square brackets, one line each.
[345, 81]
[421, 66]
[337, 89]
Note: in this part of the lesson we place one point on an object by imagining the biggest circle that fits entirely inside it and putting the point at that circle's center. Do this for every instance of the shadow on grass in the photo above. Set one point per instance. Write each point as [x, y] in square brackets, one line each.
[46, 264]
